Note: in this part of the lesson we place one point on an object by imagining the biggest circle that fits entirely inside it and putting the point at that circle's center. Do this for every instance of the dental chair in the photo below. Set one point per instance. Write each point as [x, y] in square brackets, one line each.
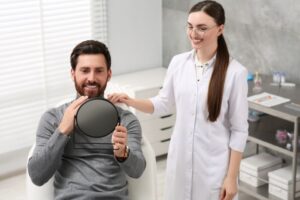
[143, 188]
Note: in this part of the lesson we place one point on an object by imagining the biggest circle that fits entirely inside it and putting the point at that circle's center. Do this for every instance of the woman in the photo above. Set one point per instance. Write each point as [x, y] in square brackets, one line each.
[209, 92]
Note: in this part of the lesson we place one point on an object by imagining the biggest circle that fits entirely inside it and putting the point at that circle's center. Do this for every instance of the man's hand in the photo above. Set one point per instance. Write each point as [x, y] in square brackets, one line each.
[67, 123]
[119, 139]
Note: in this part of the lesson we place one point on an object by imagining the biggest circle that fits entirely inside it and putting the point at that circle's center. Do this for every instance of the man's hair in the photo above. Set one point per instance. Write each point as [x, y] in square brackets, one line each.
[90, 47]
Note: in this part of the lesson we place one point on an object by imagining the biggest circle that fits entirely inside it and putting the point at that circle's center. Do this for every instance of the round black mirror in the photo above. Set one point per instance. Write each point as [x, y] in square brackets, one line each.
[97, 117]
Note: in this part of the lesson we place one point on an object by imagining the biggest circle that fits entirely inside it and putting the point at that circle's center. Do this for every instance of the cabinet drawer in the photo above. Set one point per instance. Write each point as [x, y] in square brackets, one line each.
[158, 124]
[159, 135]
[161, 148]
[146, 116]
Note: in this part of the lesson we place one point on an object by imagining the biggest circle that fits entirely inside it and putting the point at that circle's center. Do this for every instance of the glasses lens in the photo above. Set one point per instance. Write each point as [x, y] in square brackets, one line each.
[195, 30]
[199, 31]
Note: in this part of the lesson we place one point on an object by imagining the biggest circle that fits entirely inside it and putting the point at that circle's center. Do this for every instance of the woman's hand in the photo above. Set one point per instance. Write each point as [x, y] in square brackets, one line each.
[229, 189]
[118, 98]
[144, 105]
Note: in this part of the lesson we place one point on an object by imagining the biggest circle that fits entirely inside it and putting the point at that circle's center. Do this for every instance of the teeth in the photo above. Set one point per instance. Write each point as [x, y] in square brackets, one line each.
[91, 86]
[197, 41]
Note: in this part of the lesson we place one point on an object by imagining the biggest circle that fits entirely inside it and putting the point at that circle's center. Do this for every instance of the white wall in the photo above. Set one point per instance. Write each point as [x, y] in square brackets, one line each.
[135, 34]
[135, 43]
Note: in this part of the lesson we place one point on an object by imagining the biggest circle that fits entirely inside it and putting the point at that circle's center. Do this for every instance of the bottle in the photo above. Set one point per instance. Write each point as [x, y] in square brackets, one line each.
[282, 77]
[276, 77]
[257, 83]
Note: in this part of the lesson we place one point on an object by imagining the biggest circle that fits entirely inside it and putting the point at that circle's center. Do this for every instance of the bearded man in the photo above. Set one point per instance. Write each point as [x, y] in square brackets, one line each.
[89, 172]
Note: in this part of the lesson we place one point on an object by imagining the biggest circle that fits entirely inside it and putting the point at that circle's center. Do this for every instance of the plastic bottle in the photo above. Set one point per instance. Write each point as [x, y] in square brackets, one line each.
[257, 83]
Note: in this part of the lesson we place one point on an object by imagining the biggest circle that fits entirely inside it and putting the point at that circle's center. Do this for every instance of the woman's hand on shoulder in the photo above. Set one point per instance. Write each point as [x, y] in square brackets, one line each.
[118, 98]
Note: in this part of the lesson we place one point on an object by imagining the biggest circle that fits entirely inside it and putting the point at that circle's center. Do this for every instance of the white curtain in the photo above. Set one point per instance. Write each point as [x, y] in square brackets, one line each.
[36, 39]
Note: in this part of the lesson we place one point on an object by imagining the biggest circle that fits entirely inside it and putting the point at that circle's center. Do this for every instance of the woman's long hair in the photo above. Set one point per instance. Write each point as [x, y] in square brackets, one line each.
[216, 85]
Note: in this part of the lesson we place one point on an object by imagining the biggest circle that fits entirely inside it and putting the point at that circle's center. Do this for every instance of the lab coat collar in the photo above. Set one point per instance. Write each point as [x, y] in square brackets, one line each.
[207, 64]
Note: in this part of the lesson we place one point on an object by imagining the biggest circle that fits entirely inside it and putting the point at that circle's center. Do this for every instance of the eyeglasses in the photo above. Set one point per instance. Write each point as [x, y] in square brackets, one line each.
[199, 30]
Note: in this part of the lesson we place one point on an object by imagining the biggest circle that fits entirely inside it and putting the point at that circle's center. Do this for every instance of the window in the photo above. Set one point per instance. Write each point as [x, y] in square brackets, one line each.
[36, 40]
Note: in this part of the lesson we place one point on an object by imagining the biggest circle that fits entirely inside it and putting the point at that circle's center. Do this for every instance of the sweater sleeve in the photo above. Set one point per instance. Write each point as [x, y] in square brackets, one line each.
[135, 164]
[48, 151]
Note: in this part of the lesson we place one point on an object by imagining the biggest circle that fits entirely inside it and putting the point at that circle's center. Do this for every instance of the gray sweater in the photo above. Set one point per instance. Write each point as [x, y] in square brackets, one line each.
[84, 171]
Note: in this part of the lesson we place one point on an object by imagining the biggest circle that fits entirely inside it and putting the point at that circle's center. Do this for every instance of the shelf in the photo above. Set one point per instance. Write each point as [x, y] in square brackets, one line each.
[260, 193]
[263, 133]
[280, 110]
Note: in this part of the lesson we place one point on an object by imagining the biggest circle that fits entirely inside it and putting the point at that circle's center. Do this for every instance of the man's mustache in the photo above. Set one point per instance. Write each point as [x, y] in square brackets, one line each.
[92, 84]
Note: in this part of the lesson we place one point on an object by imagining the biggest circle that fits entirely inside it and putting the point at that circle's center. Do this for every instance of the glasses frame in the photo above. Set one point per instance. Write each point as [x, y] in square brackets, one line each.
[199, 30]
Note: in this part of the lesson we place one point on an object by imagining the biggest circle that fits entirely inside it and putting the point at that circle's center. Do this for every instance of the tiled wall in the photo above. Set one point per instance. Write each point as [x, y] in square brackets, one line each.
[263, 35]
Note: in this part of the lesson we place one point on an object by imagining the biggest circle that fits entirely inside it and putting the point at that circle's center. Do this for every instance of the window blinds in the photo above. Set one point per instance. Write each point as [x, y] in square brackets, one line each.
[37, 37]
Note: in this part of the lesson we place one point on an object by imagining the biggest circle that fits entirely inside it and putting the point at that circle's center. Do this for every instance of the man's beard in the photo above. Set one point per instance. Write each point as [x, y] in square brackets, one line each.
[82, 92]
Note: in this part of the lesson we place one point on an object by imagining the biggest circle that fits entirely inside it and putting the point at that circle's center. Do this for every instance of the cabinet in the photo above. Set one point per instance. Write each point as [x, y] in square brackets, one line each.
[262, 132]
[145, 84]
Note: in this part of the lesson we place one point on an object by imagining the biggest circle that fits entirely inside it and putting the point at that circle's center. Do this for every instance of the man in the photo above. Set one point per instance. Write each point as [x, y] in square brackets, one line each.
[90, 172]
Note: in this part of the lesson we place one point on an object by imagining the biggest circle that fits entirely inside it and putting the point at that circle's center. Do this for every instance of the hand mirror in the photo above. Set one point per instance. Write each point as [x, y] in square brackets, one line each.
[97, 117]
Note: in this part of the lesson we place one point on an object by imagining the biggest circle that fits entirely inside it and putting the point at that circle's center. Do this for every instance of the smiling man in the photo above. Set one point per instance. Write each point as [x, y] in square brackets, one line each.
[90, 72]
[86, 173]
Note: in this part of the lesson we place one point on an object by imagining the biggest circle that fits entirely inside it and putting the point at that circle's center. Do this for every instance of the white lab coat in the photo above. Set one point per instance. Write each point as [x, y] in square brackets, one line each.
[199, 150]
